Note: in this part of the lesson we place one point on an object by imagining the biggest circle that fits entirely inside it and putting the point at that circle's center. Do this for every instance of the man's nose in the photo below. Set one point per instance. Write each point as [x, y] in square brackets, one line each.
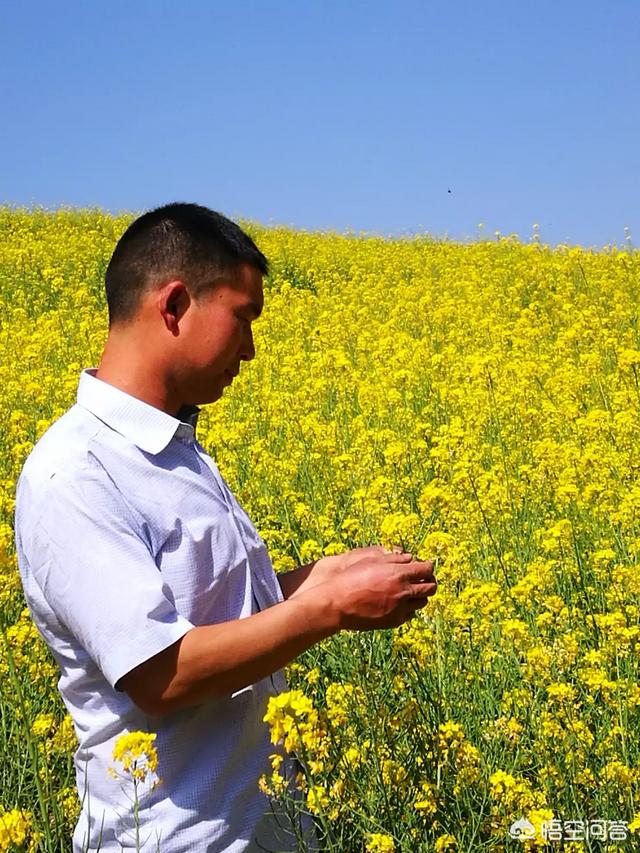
[248, 347]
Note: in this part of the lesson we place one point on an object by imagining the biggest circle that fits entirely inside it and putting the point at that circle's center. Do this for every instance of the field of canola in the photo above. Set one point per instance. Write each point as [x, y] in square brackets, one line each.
[479, 404]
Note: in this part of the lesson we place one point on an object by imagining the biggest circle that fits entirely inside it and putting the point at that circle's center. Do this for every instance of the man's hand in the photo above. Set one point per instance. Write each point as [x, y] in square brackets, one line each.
[306, 577]
[366, 584]
[328, 566]
[380, 589]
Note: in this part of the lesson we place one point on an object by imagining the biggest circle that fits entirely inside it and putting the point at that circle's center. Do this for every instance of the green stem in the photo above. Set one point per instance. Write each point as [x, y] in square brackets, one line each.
[33, 752]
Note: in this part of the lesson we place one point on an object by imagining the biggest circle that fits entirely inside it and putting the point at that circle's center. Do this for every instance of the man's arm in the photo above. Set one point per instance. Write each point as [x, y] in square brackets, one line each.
[217, 660]
[296, 579]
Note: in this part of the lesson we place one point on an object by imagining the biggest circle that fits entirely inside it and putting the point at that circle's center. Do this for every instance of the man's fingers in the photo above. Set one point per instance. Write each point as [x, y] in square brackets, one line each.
[416, 602]
[418, 571]
[396, 557]
[395, 549]
[422, 591]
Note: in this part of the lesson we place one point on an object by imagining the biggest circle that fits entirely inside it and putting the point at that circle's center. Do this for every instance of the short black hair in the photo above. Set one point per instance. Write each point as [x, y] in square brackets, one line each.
[185, 241]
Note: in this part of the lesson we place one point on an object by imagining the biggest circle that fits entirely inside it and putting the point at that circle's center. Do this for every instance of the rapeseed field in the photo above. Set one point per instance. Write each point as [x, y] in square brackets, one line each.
[476, 403]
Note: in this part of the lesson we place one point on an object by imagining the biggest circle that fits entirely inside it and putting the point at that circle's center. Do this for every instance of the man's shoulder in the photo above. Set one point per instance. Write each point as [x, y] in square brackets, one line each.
[61, 450]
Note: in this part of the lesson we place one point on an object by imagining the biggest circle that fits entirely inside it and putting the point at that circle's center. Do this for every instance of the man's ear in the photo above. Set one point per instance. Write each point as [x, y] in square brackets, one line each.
[172, 301]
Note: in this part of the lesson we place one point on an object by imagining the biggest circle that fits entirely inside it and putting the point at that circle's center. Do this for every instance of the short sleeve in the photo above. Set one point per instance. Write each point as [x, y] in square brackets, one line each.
[87, 553]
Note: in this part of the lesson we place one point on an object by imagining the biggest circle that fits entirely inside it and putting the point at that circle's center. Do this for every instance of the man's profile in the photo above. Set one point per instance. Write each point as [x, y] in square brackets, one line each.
[147, 579]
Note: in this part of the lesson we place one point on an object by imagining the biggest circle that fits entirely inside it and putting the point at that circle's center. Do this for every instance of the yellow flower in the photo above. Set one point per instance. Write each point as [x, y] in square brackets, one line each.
[65, 740]
[295, 724]
[426, 804]
[561, 693]
[313, 676]
[450, 737]
[317, 799]
[393, 773]
[352, 756]
[68, 799]
[619, 774]
[634, 826]
[513, 793]
[15, 827]
[43, 725]
[378, 842]
[340, 699]
[137, 754]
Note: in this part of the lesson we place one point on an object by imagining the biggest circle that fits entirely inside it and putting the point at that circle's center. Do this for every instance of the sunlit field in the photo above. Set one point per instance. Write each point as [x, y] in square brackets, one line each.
[478, 404]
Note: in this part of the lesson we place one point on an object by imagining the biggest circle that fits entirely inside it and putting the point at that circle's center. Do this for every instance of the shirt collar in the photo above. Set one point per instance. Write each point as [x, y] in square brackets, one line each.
[148, 428]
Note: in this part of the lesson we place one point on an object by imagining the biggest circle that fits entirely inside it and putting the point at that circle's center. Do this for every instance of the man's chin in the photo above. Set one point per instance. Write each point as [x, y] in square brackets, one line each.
[206, 397]
[215, 394]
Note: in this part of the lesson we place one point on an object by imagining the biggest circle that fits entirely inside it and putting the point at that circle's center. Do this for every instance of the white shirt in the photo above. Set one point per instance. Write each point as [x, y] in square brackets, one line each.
[127, 537]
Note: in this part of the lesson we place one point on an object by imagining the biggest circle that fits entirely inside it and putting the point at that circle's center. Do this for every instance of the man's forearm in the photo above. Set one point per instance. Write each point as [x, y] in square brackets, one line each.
[217, 660]
[306, 577]
[291, 582]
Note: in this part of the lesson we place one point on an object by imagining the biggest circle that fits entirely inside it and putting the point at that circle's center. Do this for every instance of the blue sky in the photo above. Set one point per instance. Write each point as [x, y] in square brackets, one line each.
[331, 115]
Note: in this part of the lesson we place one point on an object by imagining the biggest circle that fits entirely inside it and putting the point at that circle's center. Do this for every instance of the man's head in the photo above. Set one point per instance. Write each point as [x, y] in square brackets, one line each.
[183, 287]
[178, 241]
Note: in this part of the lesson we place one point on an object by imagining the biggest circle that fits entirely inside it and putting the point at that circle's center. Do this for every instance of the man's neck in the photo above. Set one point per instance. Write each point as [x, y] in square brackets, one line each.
[123, 366]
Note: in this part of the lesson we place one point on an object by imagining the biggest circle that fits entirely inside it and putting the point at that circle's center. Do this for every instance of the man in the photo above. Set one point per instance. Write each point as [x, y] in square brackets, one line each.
[148, 581]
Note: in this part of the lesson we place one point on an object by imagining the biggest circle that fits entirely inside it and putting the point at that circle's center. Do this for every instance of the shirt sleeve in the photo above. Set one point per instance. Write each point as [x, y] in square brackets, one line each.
[88, 554]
